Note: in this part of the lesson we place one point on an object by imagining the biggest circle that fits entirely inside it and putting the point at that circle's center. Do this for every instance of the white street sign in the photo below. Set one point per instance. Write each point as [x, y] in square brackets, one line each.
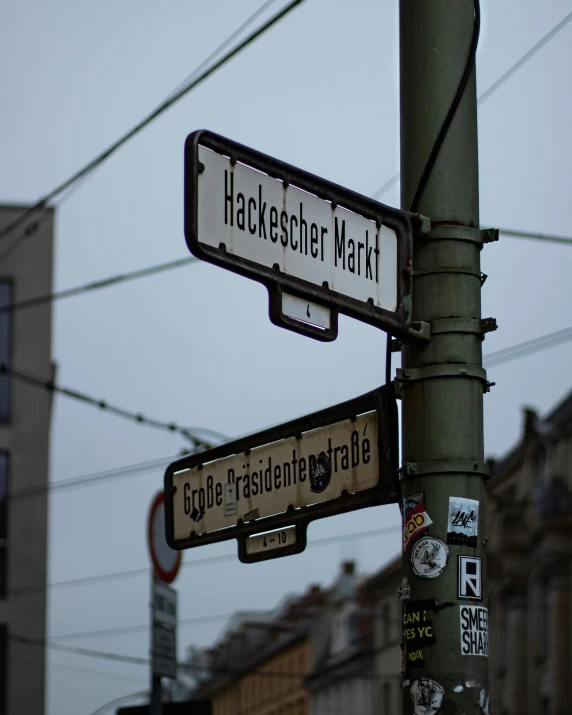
[319, 248]
[260, 219]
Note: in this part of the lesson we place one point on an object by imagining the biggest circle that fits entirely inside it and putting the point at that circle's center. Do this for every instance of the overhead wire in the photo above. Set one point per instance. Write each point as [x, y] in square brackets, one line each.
[136, 417]
[205, 561]
[166, 104]
[178, 263]
[512, 352]
[98, 285]
[136, 660]
[484, 96]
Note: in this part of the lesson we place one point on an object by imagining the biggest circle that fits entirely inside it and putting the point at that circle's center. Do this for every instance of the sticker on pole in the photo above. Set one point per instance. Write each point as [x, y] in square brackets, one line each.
[463, 522]
[469, 578]
[426, 696]
[416, 520]
[429, 557]
[474, 630]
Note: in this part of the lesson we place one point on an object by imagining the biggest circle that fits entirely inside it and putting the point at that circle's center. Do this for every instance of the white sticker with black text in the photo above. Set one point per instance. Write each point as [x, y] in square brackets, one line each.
[474, 621]
[230, 501]
[470, 578]
[463, 522]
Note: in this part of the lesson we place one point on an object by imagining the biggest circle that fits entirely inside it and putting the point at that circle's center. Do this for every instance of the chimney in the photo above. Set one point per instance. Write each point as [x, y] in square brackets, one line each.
[348, 568]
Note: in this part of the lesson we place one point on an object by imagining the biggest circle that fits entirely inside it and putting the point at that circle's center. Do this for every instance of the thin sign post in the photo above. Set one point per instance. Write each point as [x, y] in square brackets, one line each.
[334, 461]
[319, 248]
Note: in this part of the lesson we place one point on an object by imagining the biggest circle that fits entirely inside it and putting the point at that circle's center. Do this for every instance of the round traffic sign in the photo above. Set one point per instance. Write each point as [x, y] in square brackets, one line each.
[166, 561]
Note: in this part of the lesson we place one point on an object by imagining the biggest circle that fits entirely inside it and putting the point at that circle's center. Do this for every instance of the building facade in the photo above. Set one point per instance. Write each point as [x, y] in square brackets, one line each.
[382, 589]
[343, 678]
[529, 557]
[260, 665]
[25, 410]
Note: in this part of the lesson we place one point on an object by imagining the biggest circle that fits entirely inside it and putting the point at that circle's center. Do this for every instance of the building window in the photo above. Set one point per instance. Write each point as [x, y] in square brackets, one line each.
[5, 348]
[3, 669]
[545, 619]
[3, 524]
[387, 699]
[385, 623]
[540, 467]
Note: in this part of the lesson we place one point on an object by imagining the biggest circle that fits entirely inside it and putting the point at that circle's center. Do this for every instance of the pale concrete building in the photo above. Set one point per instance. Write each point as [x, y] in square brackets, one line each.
[25, 345]
[342, 677]
[382, 588]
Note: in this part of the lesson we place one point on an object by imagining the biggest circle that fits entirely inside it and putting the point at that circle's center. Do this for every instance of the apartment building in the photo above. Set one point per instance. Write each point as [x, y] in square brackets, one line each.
[25, 345]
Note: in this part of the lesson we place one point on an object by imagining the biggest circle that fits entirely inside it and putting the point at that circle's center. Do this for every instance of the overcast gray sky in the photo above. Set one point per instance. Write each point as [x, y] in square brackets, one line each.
[195, 346]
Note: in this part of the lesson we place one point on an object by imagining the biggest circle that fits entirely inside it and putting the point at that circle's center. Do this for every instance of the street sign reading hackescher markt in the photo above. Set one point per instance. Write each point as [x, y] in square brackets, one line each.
[319, 248]
[277, 481]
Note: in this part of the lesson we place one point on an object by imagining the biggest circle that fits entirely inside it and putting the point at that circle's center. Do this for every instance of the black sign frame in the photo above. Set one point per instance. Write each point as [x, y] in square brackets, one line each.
[394, 322]
[381, 400]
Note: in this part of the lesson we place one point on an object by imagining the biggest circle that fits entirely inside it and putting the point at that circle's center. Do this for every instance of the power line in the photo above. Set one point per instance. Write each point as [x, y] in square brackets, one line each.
[536, 236]
[207, 561]
[170, 265]
[495, 86]
[528, 347]
[134, 660]
[166, 104]
[91, 478]
[97, 285]
[511, 353]
[136, 417]
[524, 59]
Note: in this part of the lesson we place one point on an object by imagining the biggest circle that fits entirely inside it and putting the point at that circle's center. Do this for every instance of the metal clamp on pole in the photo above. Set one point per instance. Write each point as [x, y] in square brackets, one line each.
[411, 375]
[448, 466]
[455, 232]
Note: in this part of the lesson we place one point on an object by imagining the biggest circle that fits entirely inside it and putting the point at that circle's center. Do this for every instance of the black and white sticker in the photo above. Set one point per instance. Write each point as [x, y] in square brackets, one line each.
[403, 590]
[230, 501]
[426, 696]
[463, 522]
[469, 578]
[474, 621]
[429, 557]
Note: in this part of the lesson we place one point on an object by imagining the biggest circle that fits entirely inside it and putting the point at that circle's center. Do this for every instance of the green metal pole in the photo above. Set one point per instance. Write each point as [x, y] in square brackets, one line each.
[441, 383]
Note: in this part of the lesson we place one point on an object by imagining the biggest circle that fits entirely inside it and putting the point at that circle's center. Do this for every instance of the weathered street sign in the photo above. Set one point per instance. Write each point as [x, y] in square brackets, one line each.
[164, 630]
[319, 248]
[333, 461]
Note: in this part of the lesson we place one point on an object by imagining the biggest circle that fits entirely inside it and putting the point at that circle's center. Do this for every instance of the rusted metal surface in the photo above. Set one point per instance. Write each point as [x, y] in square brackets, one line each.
[314, 240]
[333, 461]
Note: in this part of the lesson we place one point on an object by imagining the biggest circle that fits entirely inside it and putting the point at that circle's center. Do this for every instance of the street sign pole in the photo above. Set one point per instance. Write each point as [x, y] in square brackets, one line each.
[156, 683]
[441, 383]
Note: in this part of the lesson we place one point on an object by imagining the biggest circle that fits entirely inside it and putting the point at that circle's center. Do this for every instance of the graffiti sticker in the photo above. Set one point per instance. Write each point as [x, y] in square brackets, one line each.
[429, 557]
[403, 590]
[463, 522]
[426, 696]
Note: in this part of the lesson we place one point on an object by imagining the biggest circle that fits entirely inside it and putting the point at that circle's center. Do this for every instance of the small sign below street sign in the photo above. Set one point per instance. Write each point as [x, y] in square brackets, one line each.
[319, 248]
[333, 461]
[164, 630]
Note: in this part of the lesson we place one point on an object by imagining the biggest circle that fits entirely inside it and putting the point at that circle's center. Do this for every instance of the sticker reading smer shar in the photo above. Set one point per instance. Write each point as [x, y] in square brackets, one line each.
[315, 467]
